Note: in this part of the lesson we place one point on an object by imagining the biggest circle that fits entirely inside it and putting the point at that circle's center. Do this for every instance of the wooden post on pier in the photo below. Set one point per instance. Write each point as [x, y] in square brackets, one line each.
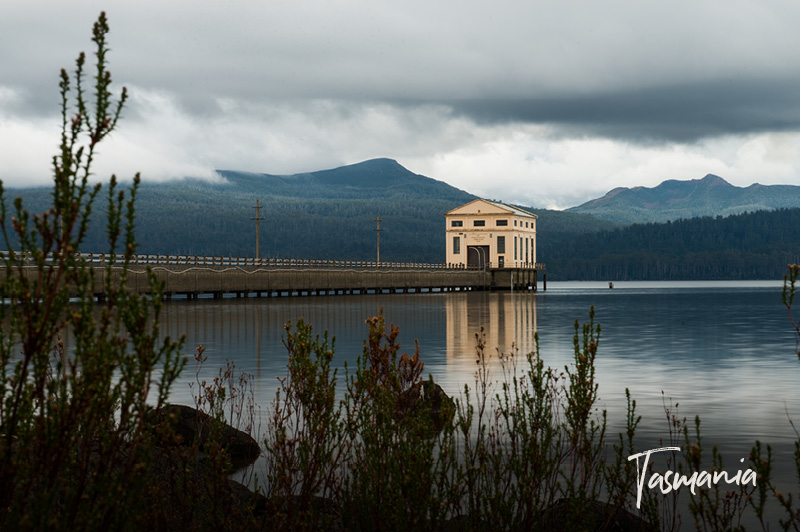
[258, 219]
[378, 231]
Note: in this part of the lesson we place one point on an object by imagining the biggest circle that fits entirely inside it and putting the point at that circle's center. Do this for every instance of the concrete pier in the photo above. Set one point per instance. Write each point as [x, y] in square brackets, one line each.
[191, 277]
[272, 282]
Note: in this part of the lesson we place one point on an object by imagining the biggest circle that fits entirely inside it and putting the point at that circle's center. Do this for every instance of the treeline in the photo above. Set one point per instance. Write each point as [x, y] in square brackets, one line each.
[327, 215]
[192, 218]
[755, 245]
[309, 217]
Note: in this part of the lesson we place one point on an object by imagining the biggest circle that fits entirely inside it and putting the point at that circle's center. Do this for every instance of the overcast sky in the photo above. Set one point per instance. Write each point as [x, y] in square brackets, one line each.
[540, 103]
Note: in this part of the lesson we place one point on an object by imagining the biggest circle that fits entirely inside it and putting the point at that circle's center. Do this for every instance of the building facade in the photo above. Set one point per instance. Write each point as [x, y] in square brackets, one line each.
[490, 234]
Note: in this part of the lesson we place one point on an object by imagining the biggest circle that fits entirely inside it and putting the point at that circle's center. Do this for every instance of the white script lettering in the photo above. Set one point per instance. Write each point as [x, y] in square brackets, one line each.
[670, 480]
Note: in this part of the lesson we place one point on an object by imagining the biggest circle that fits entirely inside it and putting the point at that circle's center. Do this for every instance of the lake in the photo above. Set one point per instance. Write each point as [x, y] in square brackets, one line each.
[722, 350]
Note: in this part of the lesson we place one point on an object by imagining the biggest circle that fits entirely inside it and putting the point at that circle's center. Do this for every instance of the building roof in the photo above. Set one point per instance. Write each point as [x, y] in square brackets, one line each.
[515, 210]
[498, 205]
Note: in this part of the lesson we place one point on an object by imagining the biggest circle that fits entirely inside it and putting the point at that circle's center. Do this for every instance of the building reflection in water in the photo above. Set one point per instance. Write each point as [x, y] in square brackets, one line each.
[249, 332]
[508, 321]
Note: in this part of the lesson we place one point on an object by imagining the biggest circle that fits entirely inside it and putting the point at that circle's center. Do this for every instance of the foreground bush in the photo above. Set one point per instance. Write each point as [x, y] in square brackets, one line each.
[529, 455]
[75, 448]
[525, 451]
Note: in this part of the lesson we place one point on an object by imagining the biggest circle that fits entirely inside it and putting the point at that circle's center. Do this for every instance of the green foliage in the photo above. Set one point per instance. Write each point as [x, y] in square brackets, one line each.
[390, 466]
[787, 295]
[74, 449]
[304, 439]
[719, 507]
[528, 451]
[755, 245]
[499, 460]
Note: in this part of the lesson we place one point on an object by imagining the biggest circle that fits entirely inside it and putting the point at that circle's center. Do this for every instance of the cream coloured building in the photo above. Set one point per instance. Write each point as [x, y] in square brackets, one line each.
[493, 234]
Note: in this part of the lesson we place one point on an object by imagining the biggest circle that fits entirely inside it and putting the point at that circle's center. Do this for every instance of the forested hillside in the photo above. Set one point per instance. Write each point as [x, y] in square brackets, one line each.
[331, 215]
[321, 215]
[755, 245]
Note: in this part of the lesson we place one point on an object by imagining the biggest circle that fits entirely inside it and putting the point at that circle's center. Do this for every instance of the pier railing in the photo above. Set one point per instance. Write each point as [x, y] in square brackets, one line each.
[104, 259]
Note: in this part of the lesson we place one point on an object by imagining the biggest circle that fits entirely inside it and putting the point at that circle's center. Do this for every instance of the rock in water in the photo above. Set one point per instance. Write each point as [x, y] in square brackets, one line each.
[429, 398]
[192, 426]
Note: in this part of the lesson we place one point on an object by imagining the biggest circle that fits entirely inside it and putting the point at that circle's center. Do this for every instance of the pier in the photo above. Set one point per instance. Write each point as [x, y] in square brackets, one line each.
[193, 277]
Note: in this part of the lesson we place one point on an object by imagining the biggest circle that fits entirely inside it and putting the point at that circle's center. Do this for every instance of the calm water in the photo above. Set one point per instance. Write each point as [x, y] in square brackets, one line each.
[723, 350]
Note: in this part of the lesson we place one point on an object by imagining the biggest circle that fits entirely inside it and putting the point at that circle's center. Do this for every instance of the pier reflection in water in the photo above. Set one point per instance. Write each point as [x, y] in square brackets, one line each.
[724, 352]
[249, 331]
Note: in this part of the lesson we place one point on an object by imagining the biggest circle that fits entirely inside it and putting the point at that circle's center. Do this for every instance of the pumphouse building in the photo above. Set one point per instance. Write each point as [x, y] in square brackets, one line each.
[490, 234]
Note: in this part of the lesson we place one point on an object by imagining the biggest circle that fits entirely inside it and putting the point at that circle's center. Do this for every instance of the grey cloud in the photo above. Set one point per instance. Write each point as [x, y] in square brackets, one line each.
[680, 113]
[272, 86]
[635, 71]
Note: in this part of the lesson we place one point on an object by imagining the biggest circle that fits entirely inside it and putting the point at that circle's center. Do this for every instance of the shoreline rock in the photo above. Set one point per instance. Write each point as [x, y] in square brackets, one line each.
[194, 426]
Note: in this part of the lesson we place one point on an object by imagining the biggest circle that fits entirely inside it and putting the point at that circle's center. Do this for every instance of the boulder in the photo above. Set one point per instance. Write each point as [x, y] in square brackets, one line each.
[194, 426]
[427, 398]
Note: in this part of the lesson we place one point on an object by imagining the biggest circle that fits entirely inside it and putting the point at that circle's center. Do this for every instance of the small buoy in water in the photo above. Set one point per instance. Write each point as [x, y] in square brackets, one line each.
[610, 284]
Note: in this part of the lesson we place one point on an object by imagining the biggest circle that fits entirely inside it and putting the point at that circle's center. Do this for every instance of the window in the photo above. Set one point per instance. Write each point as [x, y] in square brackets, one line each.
[526, 224]
[501, 244]
[456, 245]
[515, 223]
[526, 250]
[479, 223]
[501, 223]
[515, 247]
[456, 223]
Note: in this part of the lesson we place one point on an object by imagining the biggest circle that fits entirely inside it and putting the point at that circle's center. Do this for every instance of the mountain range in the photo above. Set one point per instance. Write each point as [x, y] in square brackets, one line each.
[673, 200]
[331, 214]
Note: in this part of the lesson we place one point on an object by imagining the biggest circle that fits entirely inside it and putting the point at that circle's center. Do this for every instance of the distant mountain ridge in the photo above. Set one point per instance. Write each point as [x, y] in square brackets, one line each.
[330, 214]
[356, 180]
[326, 214]
[673, 200]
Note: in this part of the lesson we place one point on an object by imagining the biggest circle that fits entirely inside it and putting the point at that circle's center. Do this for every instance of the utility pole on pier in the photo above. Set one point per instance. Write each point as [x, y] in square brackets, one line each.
[378, 231]
[258, 219]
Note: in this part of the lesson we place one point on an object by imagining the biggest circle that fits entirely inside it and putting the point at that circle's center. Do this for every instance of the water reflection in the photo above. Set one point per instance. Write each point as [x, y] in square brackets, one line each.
[506, 319]
[724, 351]
[509, 325]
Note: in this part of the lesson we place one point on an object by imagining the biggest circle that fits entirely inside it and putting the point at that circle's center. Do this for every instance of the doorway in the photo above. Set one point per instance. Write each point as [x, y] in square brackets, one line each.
[477, 257]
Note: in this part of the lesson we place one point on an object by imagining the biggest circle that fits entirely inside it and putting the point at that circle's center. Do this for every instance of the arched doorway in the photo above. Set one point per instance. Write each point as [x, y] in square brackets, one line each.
[477, 257]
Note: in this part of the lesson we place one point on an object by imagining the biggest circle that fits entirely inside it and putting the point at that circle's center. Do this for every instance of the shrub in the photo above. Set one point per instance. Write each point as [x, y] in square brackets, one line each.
[528, 455]
[789, 289]
[74, 444]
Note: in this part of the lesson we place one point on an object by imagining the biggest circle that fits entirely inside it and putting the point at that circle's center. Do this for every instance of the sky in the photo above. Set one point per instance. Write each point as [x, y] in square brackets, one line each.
[539, 103]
